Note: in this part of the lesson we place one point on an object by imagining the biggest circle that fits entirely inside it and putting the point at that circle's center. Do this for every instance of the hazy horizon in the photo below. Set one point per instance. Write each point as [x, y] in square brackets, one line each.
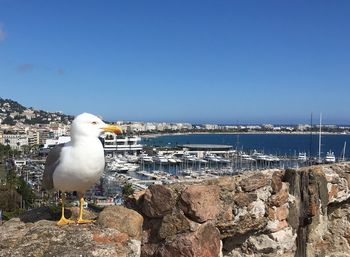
[231, 62]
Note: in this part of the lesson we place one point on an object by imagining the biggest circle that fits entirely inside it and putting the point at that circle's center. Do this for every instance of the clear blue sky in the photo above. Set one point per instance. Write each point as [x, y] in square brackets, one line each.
[197, 61]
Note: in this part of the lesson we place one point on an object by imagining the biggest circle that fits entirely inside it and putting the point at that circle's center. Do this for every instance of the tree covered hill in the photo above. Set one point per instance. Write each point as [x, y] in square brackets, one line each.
[12, 112]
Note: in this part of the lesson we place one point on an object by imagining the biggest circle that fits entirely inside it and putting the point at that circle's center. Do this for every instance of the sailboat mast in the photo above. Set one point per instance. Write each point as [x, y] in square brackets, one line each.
[344, 148]
[310, 150]
[319, 139]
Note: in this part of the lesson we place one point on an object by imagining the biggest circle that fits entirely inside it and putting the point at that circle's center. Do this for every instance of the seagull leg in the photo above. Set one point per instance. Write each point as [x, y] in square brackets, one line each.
[63, 220]
[81, 205]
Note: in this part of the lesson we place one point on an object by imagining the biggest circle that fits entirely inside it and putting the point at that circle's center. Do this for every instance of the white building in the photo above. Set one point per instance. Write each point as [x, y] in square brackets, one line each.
[15, 141]
[115, 145]
[33, 137]
[150, 126]
[210, 126]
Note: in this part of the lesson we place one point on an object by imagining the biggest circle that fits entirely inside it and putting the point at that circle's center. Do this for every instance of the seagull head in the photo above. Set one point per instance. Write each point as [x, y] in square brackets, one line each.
[86, 124]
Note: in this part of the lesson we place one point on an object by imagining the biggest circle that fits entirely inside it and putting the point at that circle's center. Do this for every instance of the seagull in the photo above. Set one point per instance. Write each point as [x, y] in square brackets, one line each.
[78, 164]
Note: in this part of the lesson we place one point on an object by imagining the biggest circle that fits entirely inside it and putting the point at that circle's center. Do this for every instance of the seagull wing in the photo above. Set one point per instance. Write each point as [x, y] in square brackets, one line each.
[52, 161]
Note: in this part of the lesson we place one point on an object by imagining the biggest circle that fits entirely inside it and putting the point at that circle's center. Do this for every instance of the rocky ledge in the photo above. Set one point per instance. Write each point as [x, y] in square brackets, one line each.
[116, 232]
[269, 213]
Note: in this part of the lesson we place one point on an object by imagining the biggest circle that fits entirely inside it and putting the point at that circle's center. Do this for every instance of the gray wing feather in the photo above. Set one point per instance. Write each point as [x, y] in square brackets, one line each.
[52, 161]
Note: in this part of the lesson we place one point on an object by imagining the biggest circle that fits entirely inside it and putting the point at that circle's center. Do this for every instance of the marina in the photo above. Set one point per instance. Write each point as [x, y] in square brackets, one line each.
[130, 160]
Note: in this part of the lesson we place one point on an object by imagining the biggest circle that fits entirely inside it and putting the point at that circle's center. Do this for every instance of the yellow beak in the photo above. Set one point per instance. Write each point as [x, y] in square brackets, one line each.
[112, 128]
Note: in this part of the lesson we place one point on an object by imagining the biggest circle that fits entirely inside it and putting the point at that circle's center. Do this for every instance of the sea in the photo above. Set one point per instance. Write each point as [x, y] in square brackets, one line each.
[289, 145]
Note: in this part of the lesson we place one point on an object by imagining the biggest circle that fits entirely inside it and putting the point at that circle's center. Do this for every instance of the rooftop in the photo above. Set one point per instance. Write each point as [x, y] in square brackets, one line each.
[207, 147]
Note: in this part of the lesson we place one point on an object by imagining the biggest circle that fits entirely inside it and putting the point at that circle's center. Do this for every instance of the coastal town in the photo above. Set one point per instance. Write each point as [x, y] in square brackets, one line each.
[30, 134]
[24, 128]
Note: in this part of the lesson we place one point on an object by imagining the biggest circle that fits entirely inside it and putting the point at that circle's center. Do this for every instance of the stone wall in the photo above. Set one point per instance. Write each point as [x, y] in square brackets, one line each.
[267, 213]
[285, 213]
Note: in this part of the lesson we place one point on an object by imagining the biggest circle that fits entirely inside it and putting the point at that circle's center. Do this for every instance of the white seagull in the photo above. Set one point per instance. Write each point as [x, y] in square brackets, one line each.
[78, 164]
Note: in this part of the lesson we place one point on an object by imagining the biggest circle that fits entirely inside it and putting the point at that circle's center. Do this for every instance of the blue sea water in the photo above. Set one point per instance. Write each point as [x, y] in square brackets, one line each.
[277, 144]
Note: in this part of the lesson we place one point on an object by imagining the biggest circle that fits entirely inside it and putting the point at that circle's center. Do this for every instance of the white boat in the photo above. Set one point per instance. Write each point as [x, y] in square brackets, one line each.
[120, 165]
[145, 158]
[246, 157]
[189, 157]
[330, 158]
[171, 160]
[132, 167]
[178, 160]
[211, 158]
[302, 157]
[132, 158]
[160, 159]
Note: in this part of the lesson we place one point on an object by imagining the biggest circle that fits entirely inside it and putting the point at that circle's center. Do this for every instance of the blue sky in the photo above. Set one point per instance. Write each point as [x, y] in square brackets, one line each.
[194, 61]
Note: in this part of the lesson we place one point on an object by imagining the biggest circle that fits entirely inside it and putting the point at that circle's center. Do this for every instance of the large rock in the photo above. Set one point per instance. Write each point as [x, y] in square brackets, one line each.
[205, 242]
[254, 182]
[45, 238]
[200, 203]
[175, 223]
[158, 201]
[123, 219]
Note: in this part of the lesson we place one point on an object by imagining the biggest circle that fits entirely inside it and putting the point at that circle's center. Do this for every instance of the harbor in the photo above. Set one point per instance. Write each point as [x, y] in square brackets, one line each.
[133, 161]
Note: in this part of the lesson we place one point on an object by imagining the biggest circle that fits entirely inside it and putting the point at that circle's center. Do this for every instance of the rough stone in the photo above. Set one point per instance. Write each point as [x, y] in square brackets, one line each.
[254, 182]
[123, 219]
[45, 238]
[87, 214]
[280, 197]
[276, 182]
[262, 244]
[175, 223]
[205, 242]
[200, 203]
[276, 225]
[278, 213]
[277, 242]
[243, 225]
[244, 199]
[337, 238]
[257, 209]
[158, 201]
[42, 213]
[148, 250]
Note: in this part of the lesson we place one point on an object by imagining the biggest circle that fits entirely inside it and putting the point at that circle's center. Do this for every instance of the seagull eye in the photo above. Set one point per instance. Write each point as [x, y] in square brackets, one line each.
[94, 122]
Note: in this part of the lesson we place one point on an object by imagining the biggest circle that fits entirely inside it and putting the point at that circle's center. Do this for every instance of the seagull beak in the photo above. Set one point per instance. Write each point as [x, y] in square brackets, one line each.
[112, 128]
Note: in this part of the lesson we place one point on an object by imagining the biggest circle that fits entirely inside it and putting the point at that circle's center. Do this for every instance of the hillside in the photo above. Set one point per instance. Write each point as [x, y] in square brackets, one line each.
[12, 112]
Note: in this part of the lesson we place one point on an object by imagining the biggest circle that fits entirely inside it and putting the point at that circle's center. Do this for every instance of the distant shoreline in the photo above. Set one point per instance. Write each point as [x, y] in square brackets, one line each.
[239, 133]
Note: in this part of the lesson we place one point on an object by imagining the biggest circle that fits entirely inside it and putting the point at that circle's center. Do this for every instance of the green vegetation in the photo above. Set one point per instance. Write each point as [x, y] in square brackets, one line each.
[6, 152]
[15, 195]
[127, 190]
